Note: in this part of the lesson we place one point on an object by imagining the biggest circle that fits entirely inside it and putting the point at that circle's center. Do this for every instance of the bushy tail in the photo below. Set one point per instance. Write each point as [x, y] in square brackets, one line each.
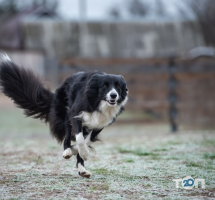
[25, 89]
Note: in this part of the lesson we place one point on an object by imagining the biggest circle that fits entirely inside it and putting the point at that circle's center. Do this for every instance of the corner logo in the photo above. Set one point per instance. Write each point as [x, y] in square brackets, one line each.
[188, 183]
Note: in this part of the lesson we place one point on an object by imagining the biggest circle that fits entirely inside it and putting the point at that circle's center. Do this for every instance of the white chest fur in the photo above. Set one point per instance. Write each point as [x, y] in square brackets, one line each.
[99, 119]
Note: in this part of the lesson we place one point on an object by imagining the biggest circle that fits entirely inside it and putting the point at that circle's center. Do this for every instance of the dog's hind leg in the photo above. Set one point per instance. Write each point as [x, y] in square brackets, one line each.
[67, 140]
[81, 169]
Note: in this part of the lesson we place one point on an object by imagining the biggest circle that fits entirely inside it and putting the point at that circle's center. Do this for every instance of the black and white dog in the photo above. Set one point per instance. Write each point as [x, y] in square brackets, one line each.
[79, 109]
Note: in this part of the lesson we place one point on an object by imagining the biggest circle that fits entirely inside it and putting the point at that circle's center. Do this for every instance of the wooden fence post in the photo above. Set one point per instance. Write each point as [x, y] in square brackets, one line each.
[173, 98]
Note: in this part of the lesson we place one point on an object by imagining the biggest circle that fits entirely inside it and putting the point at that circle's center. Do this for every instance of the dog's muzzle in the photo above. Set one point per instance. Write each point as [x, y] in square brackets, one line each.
[112, 97]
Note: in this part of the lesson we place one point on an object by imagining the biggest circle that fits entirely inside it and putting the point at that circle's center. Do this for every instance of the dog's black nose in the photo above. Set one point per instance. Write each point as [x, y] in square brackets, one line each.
[113, 95]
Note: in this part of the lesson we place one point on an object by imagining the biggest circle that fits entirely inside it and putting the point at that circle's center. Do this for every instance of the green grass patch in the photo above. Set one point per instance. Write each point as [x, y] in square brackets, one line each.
[172, 142]
[18, 179]
[99, 187]
[208, 142]
[193, 164]
[137, 152]
[161, 149]
[209, 155]
[129, 160]
[103, 171]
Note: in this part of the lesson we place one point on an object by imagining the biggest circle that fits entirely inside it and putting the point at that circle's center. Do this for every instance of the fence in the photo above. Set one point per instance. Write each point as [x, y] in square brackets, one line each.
[60, 39]
[182, 91]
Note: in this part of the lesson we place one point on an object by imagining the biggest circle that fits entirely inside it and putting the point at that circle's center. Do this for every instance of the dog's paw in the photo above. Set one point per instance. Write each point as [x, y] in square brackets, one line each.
[85, 174]
[83, 151]
[67, 153]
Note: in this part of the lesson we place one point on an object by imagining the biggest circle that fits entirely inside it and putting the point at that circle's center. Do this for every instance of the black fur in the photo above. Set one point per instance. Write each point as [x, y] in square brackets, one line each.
[26, 90]
[80, 92]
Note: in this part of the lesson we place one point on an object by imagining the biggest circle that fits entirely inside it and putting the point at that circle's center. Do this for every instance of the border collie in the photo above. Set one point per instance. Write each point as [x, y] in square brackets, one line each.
[79, 109]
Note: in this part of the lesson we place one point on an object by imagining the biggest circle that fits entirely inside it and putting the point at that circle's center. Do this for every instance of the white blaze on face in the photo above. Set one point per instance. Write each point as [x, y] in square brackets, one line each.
[113, 91]
[112, 101]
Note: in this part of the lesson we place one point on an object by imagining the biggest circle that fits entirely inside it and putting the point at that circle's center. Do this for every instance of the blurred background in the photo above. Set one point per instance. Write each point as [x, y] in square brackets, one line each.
[164, 49]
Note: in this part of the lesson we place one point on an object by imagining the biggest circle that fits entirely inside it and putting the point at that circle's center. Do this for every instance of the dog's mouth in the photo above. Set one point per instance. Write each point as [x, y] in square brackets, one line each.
[112, 102]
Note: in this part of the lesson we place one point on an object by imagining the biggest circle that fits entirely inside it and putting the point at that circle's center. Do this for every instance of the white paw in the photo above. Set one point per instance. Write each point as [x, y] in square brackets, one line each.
[83, 172]
[67, 153]
[83, 151]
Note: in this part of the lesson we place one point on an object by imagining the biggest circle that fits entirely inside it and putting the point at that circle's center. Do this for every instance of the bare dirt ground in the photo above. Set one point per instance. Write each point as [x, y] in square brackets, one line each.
[131, 162]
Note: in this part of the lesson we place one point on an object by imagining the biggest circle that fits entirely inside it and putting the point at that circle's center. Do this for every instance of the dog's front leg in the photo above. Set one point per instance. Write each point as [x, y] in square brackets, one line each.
[81, 169]
[81, 144]
[80, 162]
[88, 140]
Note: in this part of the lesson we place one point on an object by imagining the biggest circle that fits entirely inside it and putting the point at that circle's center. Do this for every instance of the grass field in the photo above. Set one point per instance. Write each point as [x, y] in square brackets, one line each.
[131, 162]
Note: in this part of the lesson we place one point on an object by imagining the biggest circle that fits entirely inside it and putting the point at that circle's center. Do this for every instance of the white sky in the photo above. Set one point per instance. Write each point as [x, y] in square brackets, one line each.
[99, 9]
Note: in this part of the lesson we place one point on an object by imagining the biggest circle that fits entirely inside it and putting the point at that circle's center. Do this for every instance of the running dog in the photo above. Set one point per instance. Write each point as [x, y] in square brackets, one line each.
[79, 109]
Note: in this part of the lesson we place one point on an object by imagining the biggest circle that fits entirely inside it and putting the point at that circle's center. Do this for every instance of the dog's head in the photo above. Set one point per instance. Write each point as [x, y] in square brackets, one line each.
[107, 87]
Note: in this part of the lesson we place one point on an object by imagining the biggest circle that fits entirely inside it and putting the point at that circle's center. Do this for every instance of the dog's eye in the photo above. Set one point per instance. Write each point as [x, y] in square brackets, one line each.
[117, 86]
[104, 86]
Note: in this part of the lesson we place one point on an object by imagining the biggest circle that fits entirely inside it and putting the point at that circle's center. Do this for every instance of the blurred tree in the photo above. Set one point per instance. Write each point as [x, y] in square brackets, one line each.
[50, 4]
[13, 6]
[35, 3]
[160, 8]
[204, 11]
[115, 13]
[138, 8]
[12, 13]
[8, 6]
[131, 8]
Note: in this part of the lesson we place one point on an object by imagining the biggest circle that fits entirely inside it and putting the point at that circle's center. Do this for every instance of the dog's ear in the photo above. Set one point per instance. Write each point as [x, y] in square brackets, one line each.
[92, 86]
[94, 79]
[124, 83]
